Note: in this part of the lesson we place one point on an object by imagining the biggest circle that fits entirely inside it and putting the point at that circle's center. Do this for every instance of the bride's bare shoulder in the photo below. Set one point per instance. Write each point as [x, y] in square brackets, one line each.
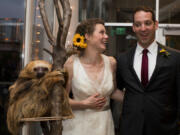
[69, 63]
[112, 62]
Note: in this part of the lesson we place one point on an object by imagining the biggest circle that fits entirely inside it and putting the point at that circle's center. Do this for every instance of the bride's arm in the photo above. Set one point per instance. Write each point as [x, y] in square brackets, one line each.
[92, 102]
[117, 94]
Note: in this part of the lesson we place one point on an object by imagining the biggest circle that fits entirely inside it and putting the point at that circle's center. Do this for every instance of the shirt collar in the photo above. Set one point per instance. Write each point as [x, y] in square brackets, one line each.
[152, 48]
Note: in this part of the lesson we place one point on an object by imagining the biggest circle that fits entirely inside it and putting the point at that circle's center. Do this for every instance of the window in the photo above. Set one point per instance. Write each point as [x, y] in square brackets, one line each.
[111, 10]
[169, 11]
[12, 14]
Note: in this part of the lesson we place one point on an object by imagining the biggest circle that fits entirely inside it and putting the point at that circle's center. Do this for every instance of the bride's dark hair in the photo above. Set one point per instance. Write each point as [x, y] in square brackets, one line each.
[88, 26]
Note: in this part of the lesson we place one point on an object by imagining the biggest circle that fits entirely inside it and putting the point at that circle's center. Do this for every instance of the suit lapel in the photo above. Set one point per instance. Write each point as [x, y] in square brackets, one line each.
[131, 68]
[159, 62]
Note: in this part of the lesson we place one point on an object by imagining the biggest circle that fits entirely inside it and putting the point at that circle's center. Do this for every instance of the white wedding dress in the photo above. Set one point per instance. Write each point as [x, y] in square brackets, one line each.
[90, 122]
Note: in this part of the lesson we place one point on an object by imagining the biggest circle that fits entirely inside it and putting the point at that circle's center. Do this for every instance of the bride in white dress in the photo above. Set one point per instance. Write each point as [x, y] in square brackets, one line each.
[91, 79]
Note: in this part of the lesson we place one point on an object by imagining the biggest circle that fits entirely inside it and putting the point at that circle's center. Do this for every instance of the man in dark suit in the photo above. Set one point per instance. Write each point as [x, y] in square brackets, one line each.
[151, 79]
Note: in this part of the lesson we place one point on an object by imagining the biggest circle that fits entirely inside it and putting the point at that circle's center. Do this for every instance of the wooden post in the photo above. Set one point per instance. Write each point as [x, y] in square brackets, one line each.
[31, 126]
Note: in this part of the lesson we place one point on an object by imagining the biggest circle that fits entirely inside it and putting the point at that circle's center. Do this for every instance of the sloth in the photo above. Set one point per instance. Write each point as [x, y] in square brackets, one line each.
[31, 94]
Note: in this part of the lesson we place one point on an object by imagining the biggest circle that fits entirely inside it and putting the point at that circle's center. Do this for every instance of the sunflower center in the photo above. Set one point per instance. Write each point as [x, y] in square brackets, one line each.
[78, 39]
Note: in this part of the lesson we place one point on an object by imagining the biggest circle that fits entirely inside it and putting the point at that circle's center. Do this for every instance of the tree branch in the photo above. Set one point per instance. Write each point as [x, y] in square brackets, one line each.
[46, 50]
[66, 19]
[58, 13]
[46, 23]
[60, 21]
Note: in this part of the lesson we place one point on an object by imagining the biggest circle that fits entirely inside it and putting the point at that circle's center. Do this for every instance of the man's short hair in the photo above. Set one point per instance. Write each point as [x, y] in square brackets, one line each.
[145, 9]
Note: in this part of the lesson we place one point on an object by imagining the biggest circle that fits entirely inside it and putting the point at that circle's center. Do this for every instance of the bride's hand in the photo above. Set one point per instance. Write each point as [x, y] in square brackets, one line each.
[94, 101]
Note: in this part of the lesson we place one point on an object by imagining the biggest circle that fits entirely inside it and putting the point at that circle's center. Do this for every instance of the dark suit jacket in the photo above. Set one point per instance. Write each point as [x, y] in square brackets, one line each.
[153, 110]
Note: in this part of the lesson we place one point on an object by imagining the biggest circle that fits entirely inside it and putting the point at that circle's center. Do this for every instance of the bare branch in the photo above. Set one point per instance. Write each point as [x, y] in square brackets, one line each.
[52, 43]
[66, 19]
[45, 22]
[59, 53]
[60, 21]
[49, 52]
[58, 13]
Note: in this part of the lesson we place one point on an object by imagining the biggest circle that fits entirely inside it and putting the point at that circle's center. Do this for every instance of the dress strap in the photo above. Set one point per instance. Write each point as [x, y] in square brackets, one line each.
[75, 64]
[106, 62]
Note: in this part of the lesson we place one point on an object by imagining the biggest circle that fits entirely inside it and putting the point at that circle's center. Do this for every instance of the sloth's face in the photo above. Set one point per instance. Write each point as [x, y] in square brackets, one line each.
[40, 71]
[36, 69]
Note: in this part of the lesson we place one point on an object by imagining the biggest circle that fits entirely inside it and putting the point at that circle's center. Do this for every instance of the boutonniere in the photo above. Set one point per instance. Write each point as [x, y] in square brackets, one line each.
[164, 52]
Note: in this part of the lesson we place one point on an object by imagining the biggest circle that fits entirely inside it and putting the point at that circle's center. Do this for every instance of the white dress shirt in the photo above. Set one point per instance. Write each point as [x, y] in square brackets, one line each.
[152, 57]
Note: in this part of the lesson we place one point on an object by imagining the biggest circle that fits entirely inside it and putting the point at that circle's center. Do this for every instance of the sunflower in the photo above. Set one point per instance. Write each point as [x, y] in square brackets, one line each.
[78, 41]
[83, 45]
[162, 50]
